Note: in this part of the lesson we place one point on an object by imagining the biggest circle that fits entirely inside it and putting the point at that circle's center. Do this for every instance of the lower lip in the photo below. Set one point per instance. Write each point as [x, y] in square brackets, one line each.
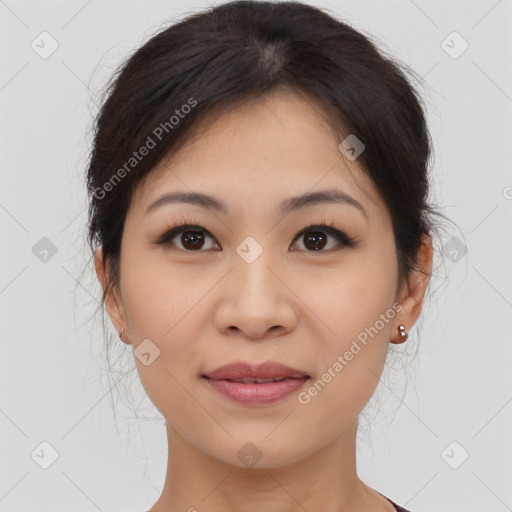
[254, 393]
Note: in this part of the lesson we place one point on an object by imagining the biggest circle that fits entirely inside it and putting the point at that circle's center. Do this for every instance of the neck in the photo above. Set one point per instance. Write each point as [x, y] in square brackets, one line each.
[326, 480]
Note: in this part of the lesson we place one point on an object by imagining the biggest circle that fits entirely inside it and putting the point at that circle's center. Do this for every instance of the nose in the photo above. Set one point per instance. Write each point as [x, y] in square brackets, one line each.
[255, 301]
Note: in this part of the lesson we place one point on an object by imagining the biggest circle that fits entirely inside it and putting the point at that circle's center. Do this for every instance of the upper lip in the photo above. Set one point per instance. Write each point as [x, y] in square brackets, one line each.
[240, 370]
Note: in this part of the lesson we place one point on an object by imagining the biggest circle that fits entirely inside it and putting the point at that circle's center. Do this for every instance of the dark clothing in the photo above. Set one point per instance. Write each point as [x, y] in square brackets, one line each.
[398, 507]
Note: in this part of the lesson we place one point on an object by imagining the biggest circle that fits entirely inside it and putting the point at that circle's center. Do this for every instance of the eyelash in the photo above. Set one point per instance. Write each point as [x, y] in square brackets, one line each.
[191, 224]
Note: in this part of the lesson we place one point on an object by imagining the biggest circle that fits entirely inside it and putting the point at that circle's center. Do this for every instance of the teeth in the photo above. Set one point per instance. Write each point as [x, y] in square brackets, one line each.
[259, 380]
[263, 381]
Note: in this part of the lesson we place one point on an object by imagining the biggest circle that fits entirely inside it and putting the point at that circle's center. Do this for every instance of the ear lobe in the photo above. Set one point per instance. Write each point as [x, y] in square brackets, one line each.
[114, 308]
[417, 286]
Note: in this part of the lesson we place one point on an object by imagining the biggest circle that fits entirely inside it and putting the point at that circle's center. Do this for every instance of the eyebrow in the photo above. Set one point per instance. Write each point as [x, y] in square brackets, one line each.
[285, 207]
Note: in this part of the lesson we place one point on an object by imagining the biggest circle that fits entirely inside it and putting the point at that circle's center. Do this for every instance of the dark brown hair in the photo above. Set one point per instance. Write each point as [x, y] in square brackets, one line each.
[242, 50]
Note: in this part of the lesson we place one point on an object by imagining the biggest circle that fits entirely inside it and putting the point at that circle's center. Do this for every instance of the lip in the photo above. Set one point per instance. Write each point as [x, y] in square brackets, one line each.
[268, 369]
[254, 393]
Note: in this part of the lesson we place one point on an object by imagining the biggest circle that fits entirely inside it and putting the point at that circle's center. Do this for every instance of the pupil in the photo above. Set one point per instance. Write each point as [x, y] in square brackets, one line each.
[317, 238]
[191, 238]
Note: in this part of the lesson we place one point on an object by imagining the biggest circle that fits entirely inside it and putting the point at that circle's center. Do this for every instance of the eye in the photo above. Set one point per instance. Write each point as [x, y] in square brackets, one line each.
[315, 237]
[193, 236]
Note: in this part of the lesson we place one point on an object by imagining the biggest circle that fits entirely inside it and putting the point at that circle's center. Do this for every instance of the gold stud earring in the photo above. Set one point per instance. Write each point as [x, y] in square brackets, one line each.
[122, 335]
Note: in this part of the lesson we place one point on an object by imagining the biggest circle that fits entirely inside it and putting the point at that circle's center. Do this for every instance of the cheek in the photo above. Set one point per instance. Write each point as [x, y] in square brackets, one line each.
[358, 305]
[353, 298]
[155, 294]
[161, 306]
[356, 310]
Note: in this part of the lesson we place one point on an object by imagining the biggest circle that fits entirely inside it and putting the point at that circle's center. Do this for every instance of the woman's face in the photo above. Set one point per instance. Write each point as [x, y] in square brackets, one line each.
[250, 289]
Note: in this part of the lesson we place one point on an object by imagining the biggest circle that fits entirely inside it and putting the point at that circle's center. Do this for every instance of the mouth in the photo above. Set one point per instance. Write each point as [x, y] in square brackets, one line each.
[238, 371]
[259, 380]
[254, 385]
[256, 392]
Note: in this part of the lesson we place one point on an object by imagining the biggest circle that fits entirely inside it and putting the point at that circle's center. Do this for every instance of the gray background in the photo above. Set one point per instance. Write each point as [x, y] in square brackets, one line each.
[55, 386]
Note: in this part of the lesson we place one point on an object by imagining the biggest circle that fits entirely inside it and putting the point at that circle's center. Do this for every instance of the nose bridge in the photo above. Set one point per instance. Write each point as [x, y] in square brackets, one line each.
[255, 300]
[252, 268]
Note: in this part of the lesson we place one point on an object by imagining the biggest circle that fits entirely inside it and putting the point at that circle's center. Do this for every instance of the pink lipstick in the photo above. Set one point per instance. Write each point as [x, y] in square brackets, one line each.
[256, 384]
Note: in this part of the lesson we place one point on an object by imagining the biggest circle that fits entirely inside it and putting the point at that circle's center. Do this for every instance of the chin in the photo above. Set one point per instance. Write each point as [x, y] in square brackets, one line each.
[260, 453]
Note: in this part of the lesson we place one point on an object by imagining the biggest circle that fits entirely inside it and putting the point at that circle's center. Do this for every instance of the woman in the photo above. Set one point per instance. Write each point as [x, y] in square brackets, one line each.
[261, 230]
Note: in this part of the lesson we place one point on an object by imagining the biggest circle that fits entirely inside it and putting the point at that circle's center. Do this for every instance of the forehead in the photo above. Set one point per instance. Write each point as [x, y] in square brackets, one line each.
[273, 147]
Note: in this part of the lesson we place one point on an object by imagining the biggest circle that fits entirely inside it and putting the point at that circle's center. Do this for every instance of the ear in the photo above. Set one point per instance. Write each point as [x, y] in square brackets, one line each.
[414, 293]
[113, 302]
